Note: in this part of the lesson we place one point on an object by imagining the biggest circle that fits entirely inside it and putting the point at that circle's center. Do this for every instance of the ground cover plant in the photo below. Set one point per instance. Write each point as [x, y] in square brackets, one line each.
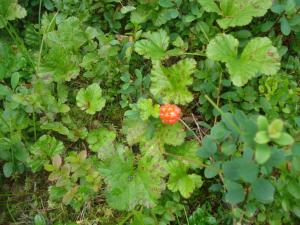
[149, 112]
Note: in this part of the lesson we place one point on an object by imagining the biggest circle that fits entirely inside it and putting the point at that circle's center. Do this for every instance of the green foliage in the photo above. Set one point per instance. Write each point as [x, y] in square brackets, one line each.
[171, 83]
[10, 10]
[236, 12]
[147, 109]
[258, 56]
[43, 151]
[101, 140]
[130, 185]
[81, 85]
[90, 99]
[181, 181]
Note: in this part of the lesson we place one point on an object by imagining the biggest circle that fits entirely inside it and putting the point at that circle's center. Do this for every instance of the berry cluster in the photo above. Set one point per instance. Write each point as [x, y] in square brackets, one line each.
[169, 114]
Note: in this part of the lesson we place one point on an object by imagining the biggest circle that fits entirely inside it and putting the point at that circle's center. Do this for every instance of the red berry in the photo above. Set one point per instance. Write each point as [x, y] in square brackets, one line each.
[169, 114]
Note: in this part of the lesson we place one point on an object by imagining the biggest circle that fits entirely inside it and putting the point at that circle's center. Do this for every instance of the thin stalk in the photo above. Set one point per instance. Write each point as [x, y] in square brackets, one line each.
[187, 126]
[223, 114]
[40, 10]
[34, 123]
[9, 212]
[42, 43]
[195, 53]
[129, 215]
[218, 98]
[187, 219]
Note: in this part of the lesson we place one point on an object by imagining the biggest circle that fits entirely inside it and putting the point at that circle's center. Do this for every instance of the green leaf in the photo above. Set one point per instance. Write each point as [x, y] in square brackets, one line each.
[10, 10]
[154, 46]
[285, 26]
[8, 169]
[262, 137]
[235, 192]
[127, 9]
[236, 12]
[262, 153]
[134, 129]
[263, 190]
[228, 148]
[284, 139]
[43, 151]
[181, 181]
[294, 189]
[240, 169]
[210, 6]
[262, 123]
[70, 35]
[101, 141]
[39, 220]
[223, 48]
[212, 170]
[59, 65]
[171, 134]
[130, 184]
[165, 15]
[57, 127]
[208, 148]
[166, 3]
[275, 128]
[148, 109]
[90, 99]
[188, 152]
[259, 56]
[14, 81]
[171, 83]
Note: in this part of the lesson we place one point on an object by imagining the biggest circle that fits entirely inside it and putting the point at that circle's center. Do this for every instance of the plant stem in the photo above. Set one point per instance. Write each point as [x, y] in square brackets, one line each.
[223, 114]
[129, 215]
[187, 126]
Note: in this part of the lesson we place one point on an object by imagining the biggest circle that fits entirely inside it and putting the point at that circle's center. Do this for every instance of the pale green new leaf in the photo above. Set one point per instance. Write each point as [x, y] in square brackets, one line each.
[259, 56]
[101, 141]
[158, 134]
[148, 109]
[171, 83]
[90, 99]
[129, 185]
[236, 12]
[134, 129]
[180, 180]
[171, 135]
[154, 46]
[10, 10]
